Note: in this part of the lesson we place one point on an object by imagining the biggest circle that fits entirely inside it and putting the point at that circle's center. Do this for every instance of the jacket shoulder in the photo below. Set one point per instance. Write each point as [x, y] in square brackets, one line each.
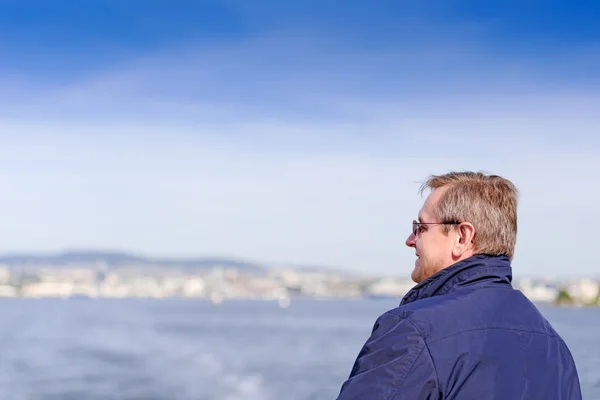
[477, 309]
[479, 337]
[393, 363]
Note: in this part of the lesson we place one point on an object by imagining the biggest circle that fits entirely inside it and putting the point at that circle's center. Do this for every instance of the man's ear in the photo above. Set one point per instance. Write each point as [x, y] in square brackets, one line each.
[465, 238]
[466, 232]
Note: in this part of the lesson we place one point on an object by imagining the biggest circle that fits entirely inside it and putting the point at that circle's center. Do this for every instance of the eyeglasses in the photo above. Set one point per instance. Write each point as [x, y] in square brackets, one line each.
[417, 226]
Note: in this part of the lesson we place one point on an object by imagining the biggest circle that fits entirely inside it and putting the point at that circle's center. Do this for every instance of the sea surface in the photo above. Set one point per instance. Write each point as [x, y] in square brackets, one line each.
[192, 349]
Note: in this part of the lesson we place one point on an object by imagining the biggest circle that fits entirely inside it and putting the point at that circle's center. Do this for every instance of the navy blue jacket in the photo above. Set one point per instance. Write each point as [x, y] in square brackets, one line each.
[464, 333]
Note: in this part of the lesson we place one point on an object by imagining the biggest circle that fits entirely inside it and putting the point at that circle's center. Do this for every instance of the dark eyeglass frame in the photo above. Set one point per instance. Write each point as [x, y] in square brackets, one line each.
[416, 225]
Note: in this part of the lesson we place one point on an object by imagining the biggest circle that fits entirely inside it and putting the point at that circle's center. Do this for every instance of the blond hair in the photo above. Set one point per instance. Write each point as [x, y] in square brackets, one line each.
[489, 202]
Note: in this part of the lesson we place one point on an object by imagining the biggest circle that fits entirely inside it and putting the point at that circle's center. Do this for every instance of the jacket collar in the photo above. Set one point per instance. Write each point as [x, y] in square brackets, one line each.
[476, 271]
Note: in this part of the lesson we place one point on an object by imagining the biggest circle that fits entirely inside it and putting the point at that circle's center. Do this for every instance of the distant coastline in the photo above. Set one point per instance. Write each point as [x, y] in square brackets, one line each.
[109, 274]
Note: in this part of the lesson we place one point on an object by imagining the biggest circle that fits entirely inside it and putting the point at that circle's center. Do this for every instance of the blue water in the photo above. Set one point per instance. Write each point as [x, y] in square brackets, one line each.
[191, 349]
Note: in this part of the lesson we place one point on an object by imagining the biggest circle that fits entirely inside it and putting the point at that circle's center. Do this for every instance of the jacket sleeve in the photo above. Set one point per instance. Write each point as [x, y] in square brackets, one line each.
[393, 364]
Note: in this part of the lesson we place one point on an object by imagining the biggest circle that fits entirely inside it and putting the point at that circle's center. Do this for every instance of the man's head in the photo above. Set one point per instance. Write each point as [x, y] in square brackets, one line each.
[466, 213]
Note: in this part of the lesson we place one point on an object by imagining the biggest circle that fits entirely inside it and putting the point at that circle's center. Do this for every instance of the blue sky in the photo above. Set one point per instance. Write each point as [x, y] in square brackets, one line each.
[294, 132]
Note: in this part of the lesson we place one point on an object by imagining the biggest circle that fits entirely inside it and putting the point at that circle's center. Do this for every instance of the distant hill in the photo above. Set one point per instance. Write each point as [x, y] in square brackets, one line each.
[112, 259]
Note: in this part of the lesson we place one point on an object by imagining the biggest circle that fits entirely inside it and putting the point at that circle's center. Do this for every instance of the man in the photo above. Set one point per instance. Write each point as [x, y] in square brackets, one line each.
[462, 332]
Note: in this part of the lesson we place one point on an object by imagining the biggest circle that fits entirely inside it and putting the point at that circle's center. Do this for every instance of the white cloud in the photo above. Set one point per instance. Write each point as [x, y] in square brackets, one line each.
[288, 76]
[178, 194]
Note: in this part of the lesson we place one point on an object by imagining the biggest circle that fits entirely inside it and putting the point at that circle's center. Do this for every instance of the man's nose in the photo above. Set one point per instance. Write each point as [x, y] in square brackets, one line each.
[411, 240]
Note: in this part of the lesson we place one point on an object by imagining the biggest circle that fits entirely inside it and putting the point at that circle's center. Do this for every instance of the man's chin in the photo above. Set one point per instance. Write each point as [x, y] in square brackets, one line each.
[416, 275]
